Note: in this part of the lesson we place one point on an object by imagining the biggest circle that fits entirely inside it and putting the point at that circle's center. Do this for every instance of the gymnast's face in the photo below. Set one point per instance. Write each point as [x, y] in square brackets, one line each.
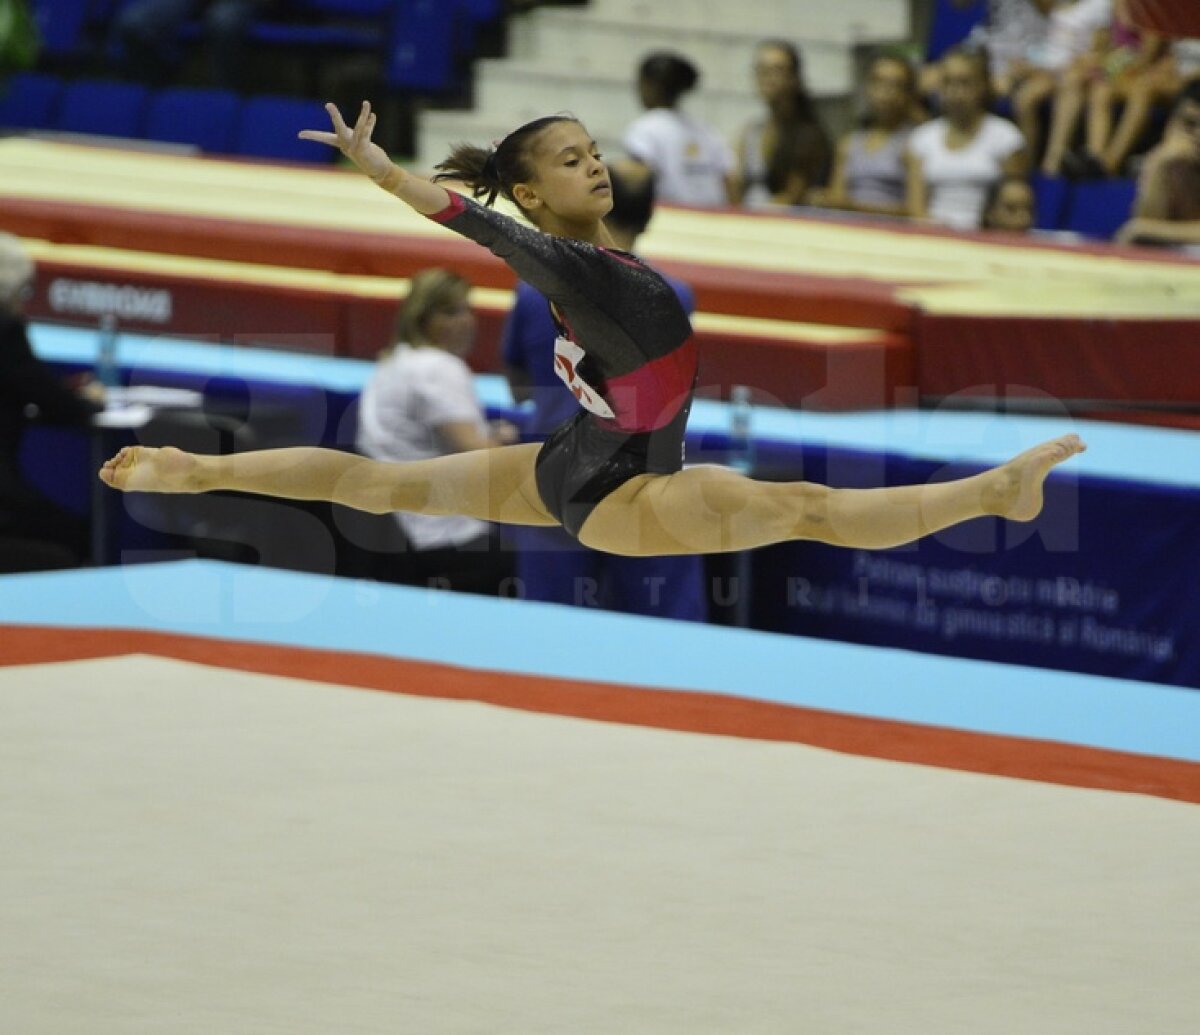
[570, 183]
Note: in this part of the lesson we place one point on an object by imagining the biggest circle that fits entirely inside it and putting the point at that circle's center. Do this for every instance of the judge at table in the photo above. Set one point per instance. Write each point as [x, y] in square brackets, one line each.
[35, 532]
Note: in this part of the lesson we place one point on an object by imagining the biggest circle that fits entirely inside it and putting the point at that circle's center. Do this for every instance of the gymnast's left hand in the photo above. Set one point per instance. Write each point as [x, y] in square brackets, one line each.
[355, 143]
[143, 469]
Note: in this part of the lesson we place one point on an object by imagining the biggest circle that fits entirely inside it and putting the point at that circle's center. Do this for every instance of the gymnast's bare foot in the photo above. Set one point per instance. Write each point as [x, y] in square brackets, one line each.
[1015, 490]
[142, 469]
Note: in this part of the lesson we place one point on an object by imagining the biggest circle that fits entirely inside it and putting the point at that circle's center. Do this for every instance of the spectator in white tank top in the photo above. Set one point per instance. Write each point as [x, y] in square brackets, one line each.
[955, 159]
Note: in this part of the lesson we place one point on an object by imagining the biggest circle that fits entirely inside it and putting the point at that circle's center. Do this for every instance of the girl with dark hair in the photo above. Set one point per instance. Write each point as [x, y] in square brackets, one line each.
[613, 474]
[869, 171]
[784, 156]
[690, 161]
[1010, 206]
[1167, 210]
[953, 160]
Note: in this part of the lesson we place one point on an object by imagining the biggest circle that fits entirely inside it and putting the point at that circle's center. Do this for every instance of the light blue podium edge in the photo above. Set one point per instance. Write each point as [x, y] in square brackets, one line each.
[242, 603]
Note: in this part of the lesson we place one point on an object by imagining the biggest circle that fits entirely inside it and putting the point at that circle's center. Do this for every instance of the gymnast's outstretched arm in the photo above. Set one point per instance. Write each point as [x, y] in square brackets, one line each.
[356, 144]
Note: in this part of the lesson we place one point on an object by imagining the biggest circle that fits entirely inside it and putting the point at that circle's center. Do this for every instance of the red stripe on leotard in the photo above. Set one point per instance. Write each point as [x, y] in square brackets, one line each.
[456, 204]
[649, 397]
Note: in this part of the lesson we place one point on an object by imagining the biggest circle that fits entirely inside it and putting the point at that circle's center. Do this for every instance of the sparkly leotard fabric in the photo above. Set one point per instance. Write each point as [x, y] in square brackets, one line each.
[625, 349]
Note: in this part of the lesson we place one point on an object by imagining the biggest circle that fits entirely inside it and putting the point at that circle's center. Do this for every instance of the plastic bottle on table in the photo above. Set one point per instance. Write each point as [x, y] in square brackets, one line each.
[108, 372]
[741, 429]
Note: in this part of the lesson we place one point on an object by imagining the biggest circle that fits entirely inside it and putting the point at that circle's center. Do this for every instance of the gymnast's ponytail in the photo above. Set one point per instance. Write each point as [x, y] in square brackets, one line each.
[476, 167]
[492, 171]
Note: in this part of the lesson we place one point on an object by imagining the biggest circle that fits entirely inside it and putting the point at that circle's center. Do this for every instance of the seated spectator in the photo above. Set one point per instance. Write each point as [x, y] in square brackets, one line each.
[1011, 33]
[1126, 68]
[552, 566]
[690, 161]
[786, 154]
[1184, 66]
[1167, 209]
[1010, 206]
[35, 532]
[954, 160]
[869, 169]
[144, 38]
[1072, 33]
[420, 402]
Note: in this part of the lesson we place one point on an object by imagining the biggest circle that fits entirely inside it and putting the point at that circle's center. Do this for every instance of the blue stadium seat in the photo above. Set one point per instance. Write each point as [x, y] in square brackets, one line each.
[339, 37]
[61, 24]
[268, 127]
[352, 8]
[99, 106]
[1098, 209]
[952, 23]
[1050, 201]
[341, 24]
[420, 51]
[29, 100]
[205, 118]
[481, 10]
[469, 16]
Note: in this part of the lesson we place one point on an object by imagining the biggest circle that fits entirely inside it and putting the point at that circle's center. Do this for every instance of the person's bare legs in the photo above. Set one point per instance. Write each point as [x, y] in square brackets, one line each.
[490, 484]
[1139, 102]
[1099, 117]
[713, 509]
[1064, 119]
[1028, 99]
[698, 510]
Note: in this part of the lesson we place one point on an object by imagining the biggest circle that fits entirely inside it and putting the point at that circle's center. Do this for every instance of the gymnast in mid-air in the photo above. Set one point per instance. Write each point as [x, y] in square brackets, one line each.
[613, 474]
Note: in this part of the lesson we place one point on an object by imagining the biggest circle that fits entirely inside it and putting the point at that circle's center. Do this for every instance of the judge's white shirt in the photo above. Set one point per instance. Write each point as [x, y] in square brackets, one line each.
[409, 395]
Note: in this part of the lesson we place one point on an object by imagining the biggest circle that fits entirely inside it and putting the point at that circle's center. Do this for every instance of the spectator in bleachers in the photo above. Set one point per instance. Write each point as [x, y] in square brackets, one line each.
[144, 38]
[551, 565]
[1010, 206]
[953, 160]
[35, 532]
[1072, 32]
[1167, 209]
[787, 154]
[870, 173]
[420, 402]
[1184, 63]
[1011, 34]
[691, 163]
[1126, 68]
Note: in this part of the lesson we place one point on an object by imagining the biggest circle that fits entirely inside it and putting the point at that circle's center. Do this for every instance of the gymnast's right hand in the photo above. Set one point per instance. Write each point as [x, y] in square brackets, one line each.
[142, 469]
[356, 144]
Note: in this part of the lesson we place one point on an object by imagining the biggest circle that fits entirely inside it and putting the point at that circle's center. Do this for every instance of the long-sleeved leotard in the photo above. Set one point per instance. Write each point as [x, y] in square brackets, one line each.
[625, 350]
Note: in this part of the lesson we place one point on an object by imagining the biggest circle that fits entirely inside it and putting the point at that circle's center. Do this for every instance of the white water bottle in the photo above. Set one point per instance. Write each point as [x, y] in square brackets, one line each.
[107, 371]
[741, 420]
